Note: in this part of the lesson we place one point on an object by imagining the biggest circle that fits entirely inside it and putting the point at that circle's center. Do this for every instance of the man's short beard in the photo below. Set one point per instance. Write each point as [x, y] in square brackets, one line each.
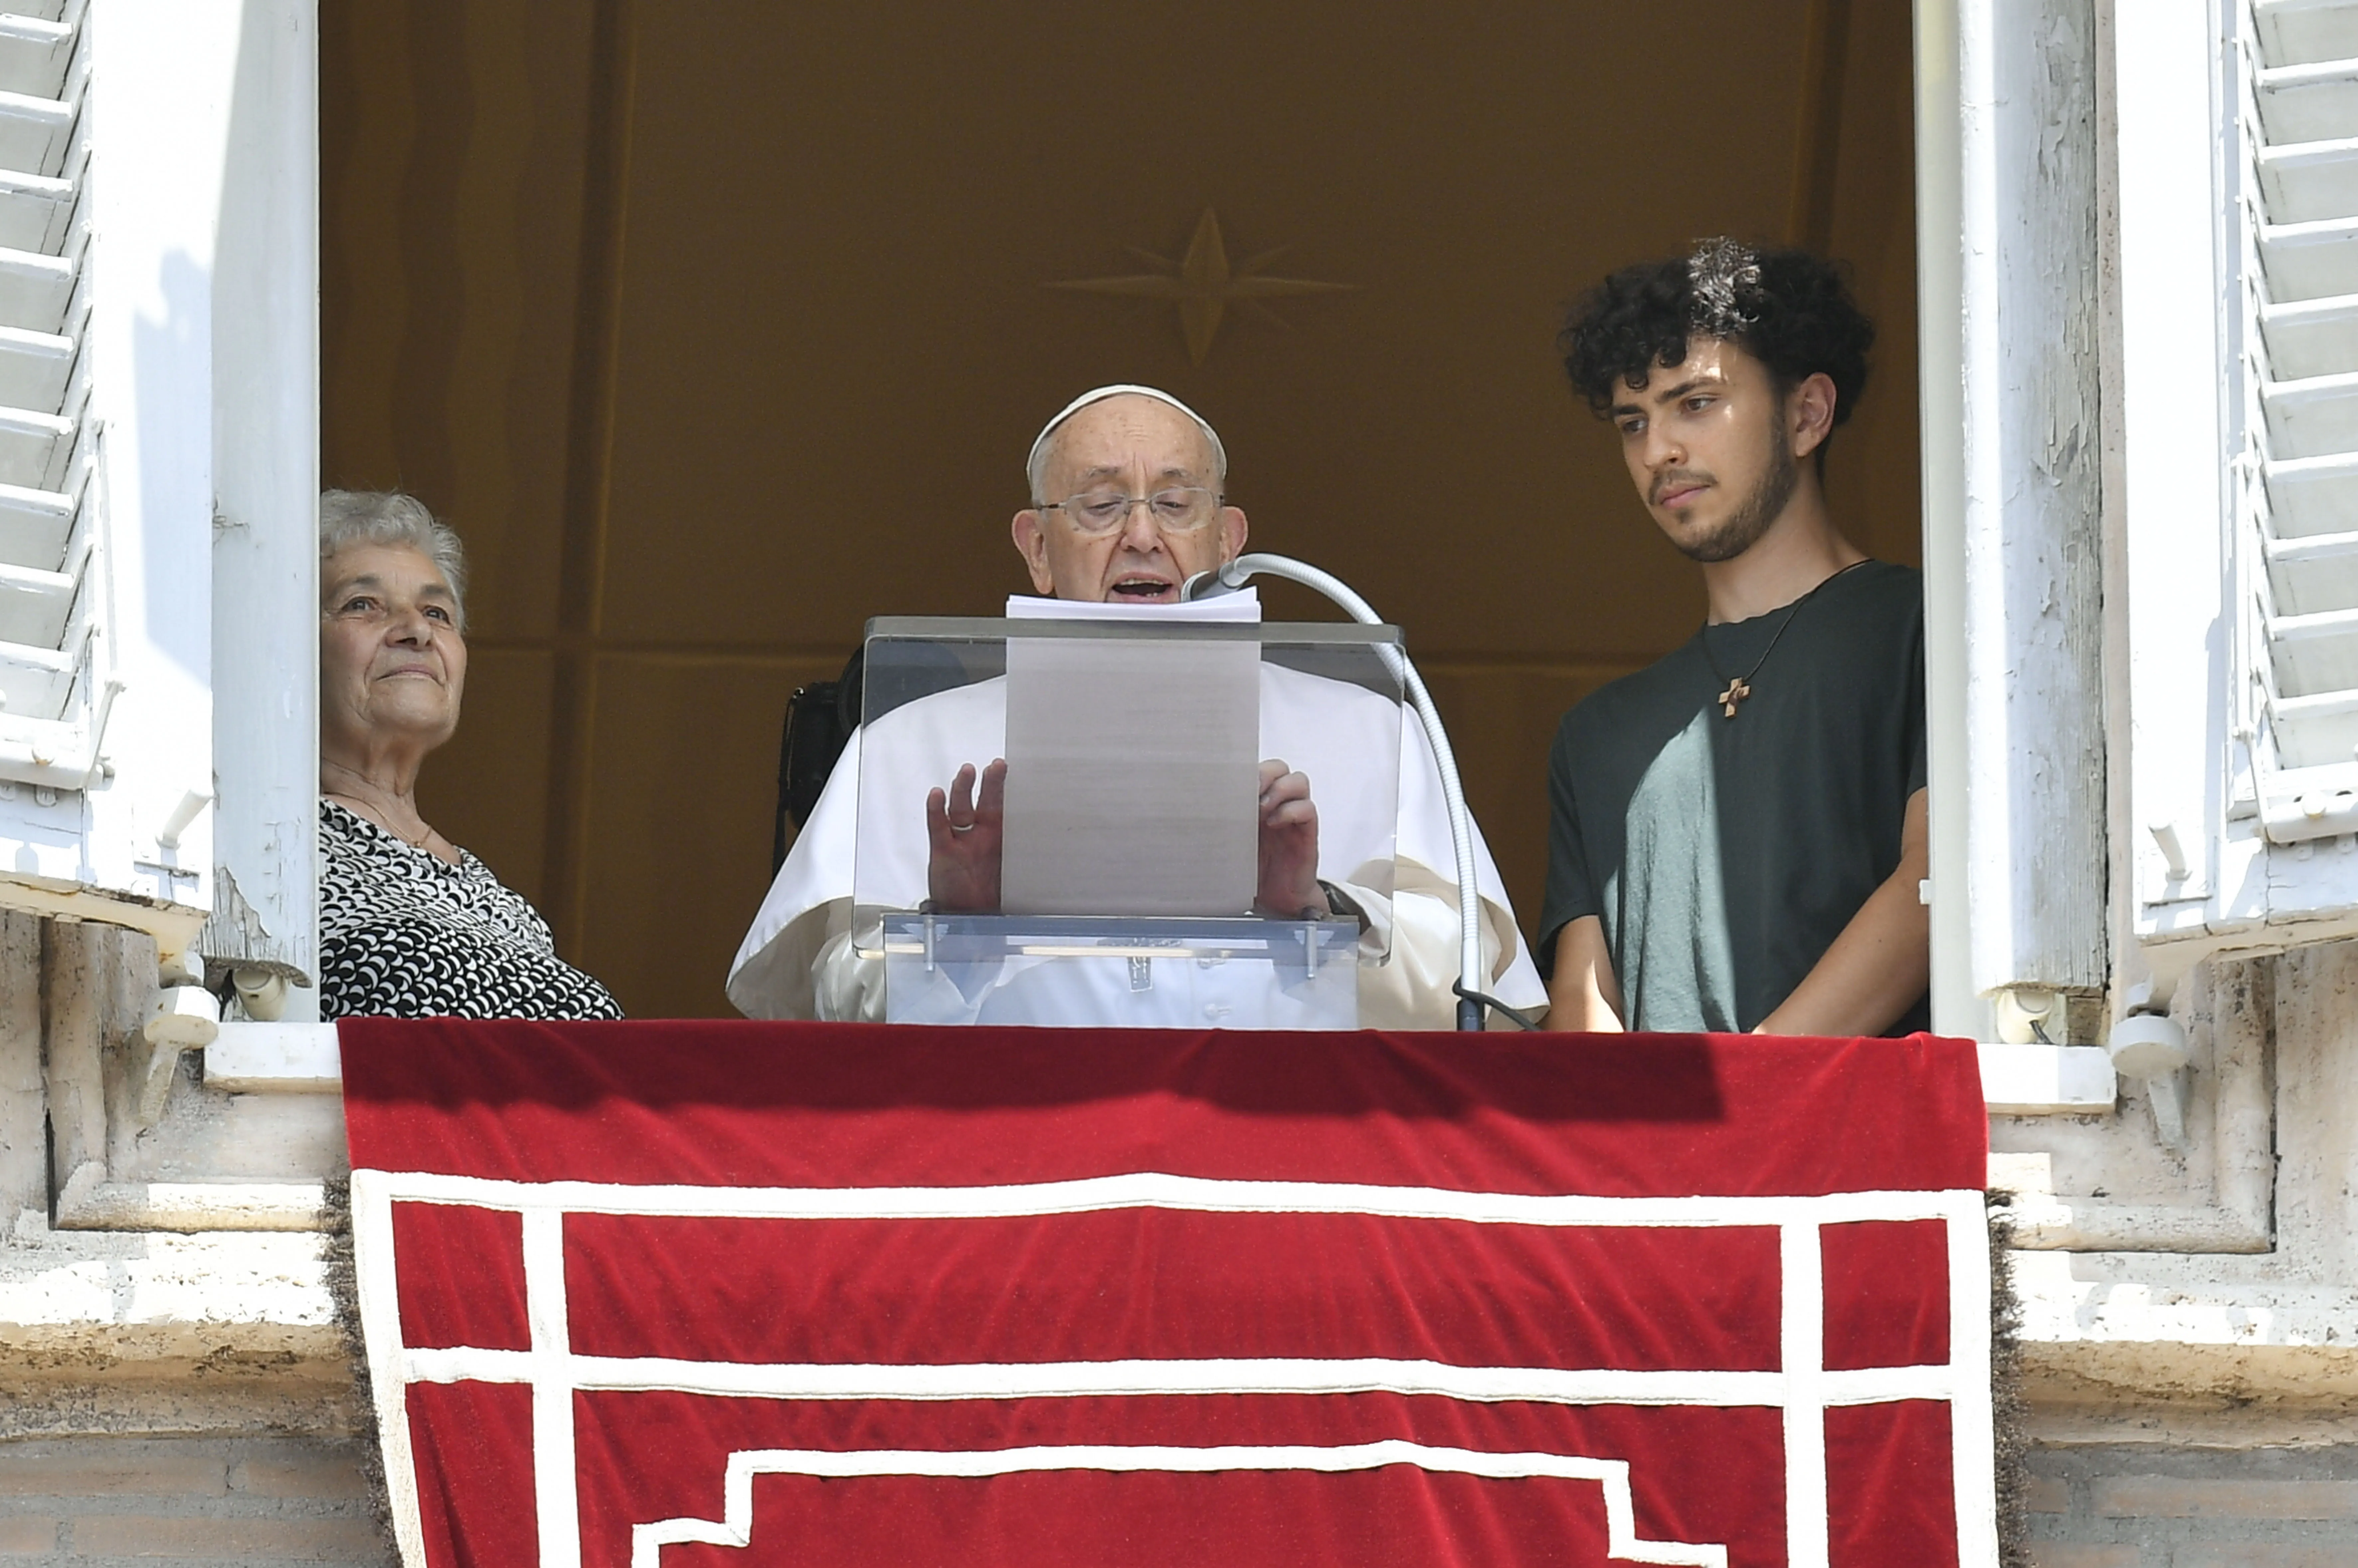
[1755, 513]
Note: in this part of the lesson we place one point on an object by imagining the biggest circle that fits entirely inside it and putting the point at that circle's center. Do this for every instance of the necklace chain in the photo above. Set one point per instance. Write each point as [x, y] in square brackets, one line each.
[1736, 690]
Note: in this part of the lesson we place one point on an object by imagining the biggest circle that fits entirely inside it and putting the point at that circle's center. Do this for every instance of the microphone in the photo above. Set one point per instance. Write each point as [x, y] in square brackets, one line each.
[1217, 581]
[1233, 576]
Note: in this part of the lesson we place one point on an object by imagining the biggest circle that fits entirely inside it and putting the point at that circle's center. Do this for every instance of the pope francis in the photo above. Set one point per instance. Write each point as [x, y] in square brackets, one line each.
[1127, 503]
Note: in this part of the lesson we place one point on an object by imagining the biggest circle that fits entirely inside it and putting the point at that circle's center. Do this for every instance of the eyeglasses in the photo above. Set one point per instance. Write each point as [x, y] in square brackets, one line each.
[1181, 509]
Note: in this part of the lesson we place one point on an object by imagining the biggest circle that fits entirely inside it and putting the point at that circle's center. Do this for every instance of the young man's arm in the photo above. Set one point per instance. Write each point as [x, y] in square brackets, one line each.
[1582, 995]
[1881, 962]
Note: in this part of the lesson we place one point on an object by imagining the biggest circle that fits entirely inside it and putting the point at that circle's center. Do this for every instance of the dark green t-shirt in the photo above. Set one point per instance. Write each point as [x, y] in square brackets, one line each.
[1723, 856]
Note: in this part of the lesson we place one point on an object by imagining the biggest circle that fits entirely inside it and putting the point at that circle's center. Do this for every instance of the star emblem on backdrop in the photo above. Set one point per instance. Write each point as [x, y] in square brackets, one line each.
[1204, 283]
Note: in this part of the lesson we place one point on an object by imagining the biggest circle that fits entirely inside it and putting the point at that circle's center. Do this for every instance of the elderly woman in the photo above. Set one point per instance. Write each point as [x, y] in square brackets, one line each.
[410, 924]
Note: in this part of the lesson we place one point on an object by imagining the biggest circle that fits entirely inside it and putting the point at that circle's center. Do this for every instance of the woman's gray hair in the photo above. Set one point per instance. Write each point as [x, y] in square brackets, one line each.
[391, 517]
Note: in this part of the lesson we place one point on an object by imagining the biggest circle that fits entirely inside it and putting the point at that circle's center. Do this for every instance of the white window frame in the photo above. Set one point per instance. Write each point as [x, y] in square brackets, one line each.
[2006, 159]
[266, 541]
[2226, 849]
[192, 794]
[2203, 857]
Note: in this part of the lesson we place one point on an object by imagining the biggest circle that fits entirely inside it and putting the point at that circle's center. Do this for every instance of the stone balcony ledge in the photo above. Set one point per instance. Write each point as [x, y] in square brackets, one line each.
[163, 1333]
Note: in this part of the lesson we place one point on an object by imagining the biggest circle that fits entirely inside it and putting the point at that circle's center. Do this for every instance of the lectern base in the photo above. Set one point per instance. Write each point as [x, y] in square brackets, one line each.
[1104, 972]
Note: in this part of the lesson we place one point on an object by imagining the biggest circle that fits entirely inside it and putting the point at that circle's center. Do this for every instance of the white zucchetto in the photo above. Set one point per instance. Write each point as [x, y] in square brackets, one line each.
[1124, 389]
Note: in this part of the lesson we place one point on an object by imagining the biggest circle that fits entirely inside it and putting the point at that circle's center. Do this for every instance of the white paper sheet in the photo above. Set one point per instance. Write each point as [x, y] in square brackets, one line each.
[1244, 604]
[1133, 777]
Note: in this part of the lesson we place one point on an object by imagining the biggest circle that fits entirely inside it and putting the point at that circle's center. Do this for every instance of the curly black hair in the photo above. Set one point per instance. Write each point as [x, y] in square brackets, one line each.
[1790, 311]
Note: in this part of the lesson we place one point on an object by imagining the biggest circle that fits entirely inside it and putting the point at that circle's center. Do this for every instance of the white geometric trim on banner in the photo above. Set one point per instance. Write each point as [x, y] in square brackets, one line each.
[1802, 1388]
[1092, 1380]
[736, 1527]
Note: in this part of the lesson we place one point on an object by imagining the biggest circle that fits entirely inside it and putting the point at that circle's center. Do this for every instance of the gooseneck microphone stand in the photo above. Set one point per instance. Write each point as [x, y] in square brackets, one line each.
[1471, 1000]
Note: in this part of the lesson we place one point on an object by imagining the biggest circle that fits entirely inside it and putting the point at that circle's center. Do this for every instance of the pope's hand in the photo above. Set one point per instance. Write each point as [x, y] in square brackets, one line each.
[966, 827]
[1289, 845]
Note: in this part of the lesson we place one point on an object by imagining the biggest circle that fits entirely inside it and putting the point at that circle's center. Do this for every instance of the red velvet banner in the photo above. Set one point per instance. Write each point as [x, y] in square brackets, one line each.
[674, 1294]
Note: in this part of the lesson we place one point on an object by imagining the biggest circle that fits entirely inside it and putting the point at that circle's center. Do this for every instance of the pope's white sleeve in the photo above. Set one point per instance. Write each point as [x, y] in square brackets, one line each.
[1412, 989]
[846, 988]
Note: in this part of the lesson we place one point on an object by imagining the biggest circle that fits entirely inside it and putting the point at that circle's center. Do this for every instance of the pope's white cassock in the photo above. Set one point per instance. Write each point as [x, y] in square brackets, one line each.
[799, 959]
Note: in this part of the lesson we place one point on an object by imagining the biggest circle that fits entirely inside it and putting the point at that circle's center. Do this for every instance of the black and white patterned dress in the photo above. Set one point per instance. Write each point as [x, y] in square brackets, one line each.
[404, 934]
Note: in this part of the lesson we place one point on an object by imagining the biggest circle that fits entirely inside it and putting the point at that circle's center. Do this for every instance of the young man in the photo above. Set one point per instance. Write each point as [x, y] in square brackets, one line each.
[1737, 832]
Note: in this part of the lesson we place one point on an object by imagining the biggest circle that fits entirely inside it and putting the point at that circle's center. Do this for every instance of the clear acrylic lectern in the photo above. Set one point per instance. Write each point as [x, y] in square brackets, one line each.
[1128, 851]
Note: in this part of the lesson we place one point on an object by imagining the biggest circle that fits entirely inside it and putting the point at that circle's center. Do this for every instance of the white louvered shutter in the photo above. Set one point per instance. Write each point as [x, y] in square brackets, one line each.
[158, 387]
[2297, 80]
[2236, 277]
[2294, 83]
[53, 682]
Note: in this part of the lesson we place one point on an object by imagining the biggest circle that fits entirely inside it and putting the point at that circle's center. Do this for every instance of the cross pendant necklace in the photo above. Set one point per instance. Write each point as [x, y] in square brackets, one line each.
[1739, 688]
